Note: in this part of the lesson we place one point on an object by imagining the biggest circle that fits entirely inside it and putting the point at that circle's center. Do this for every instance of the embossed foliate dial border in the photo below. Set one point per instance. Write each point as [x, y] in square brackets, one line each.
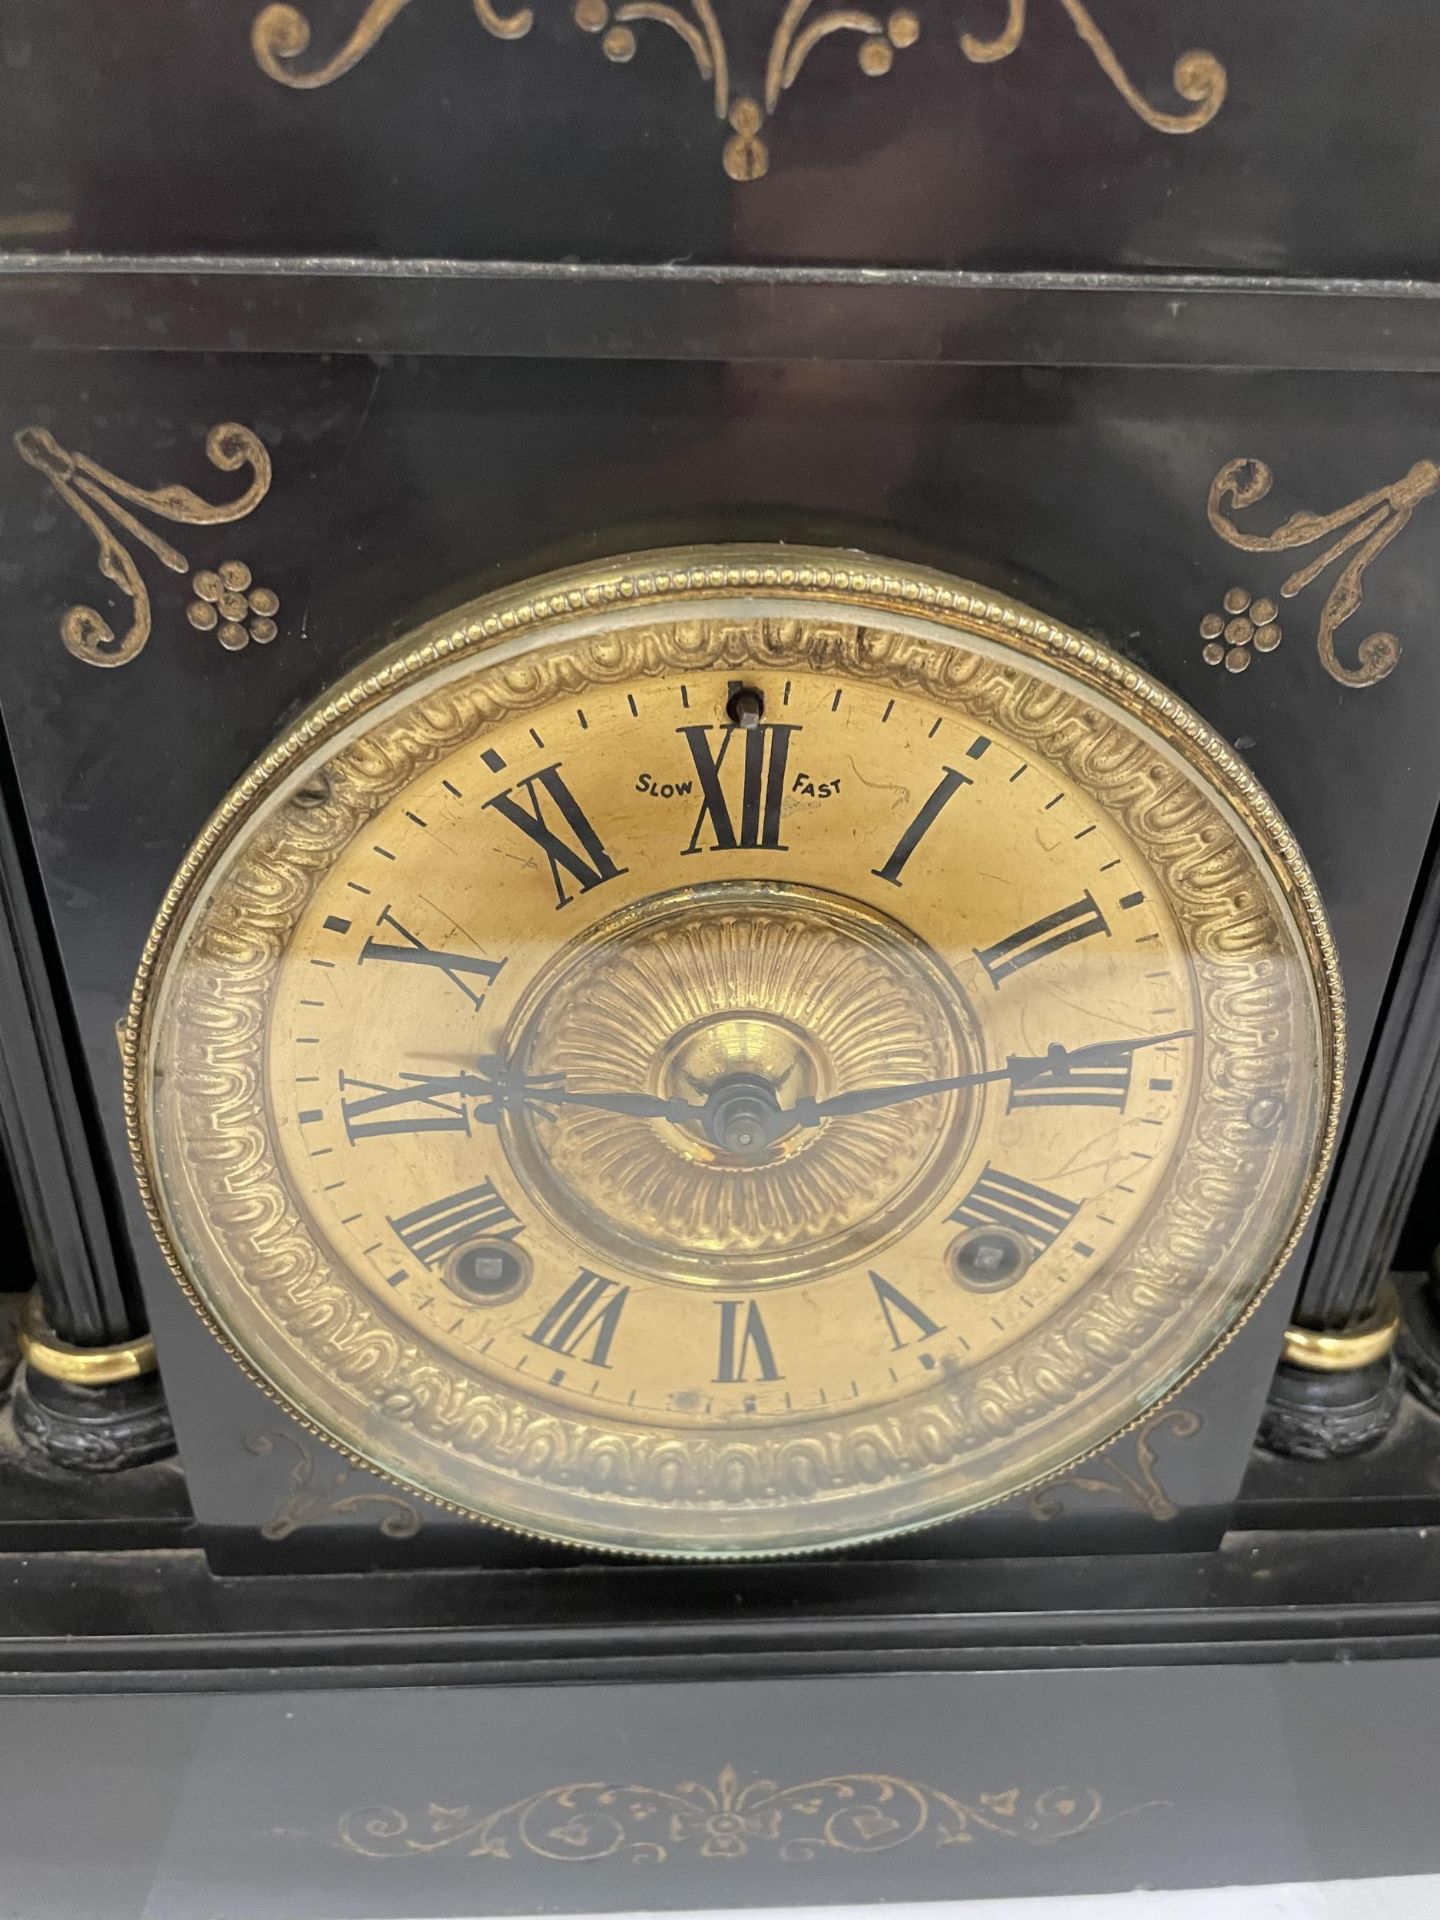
[449, 1434]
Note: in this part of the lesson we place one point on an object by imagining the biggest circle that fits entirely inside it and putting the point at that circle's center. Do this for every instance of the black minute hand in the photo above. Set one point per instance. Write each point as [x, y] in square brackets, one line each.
[1020, 1069]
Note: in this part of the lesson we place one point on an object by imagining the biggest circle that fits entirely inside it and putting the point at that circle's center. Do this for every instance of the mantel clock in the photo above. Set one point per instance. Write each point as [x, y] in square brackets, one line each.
[733, 1052]
[732, 703]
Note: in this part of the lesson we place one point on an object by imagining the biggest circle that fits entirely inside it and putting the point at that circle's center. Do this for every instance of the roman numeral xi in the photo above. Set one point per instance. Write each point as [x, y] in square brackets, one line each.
[551, 816]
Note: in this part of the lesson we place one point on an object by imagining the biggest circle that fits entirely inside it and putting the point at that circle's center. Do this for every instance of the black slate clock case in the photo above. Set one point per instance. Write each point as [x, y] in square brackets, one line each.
[989, 315]
[419, 481]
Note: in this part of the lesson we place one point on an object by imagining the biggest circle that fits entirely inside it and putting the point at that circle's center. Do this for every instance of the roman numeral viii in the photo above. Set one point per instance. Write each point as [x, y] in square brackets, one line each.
[1078, 921]
[435, 1230]
[582, 1322]
[551, 816]
[743, 1339]
[1003, 1200]
[760, 784]
[461, 970]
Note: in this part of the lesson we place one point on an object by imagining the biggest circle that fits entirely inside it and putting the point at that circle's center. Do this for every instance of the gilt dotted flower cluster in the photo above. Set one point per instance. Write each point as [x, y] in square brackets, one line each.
[227, 604]
[1247, 626]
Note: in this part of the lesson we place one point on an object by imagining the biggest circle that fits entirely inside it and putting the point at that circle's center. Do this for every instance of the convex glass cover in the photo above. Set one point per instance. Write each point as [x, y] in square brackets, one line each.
[734, 1051]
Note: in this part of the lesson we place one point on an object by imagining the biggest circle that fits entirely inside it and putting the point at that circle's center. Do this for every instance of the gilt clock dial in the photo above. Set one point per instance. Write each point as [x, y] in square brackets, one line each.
[734, 1052]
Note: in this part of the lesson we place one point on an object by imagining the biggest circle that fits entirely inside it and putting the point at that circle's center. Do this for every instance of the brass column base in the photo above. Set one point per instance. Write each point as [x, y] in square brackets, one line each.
[1352, 1348]
[1335, 1393]
[91, 1409]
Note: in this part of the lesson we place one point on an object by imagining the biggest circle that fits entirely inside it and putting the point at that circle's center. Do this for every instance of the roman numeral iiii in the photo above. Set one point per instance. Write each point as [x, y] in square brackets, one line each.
[1004, 1200]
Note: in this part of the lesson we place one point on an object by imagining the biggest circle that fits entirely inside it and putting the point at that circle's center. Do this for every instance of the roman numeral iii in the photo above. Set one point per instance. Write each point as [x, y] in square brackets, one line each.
[756, 777]
[1074, 1086]
[1004, 1200]
[1079, 921]
[433, 1231]
[461, 970]
[551, 816]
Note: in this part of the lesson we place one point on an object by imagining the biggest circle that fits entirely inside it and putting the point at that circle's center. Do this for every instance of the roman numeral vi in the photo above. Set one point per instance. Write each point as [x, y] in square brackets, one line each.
[742, 1339]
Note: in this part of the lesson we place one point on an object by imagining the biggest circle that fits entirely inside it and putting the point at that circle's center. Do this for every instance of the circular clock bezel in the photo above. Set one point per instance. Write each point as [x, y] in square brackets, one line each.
[624, 592]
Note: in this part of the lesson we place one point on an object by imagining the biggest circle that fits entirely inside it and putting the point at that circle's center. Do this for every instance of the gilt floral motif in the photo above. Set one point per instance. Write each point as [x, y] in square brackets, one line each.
[851, 1813]
[309, 1500]
[226, 601]
[281, 38]
[1362, 530]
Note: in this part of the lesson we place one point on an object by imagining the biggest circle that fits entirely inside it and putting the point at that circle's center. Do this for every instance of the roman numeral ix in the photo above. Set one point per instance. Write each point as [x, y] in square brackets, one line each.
[425, 1103]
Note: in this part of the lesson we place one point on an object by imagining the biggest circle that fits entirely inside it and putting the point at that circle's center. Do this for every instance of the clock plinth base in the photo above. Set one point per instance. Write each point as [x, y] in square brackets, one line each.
[93, 1429]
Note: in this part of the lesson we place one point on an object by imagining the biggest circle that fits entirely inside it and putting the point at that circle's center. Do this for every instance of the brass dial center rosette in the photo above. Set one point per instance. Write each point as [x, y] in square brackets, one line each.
[774, 992]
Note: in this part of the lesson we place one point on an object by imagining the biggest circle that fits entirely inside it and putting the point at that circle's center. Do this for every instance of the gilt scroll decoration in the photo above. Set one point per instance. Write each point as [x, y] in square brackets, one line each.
[1127, 1473]
[224, 600]
[281, 37]
[1362, 530]
[853, 1813]
[308, 1500]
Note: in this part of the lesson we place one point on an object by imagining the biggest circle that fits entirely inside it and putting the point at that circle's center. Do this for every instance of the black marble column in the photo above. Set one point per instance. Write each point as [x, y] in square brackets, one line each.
[87, 1395]
[1338, 1386]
